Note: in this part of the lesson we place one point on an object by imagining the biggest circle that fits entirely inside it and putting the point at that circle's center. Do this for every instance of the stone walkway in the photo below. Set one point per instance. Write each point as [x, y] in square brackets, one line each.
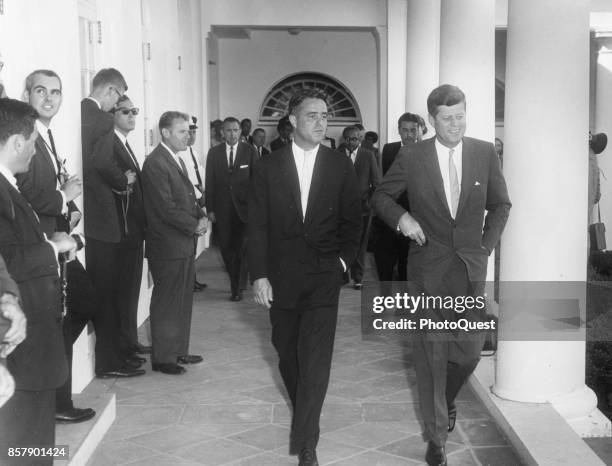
[232, 409]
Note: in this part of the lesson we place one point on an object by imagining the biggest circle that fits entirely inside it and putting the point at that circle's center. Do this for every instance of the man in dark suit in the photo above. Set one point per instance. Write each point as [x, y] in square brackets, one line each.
[51, 192]
[130, 210]
[102, 176]
[39, 363]
[174, 219]
[259, 139]
[304, 228]
[368, 178]
[284, 129]
[450, 180]
[391, 248]
[228, 171]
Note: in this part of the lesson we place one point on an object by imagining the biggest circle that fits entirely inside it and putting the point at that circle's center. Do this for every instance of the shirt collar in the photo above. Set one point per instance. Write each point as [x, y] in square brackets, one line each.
[228, 147]
[298, 150]
[9, 176]
[168, 149]
[442, 149]
[97, 103]
[123, 138]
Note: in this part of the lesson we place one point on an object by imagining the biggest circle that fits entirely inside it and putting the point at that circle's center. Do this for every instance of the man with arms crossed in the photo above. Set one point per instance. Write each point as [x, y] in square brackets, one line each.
[304, 229]
[174, 219]
[450, 180]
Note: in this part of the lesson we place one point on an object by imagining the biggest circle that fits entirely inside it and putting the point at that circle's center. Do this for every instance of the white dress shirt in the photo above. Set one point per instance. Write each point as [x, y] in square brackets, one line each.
[43, 131]
[227, 152]
[352, 155]
[304, 162]
[443, 154]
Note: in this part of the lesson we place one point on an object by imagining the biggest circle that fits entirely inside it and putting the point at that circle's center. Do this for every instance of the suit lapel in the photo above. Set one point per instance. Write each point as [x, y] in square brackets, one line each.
[468, 174]
[315, 184]
[47, 156]
[124, 154]
[430, 160]
[175, 164]
[20, 201]
[290, 174]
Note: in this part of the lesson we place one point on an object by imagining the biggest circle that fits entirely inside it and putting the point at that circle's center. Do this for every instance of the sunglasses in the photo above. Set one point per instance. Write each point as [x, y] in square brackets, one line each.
[126, 111]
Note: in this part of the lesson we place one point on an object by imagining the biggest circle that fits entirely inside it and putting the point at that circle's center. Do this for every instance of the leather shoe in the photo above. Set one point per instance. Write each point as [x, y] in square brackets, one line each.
[236, 296]
[197, 286]
[140, 349]
[120, 372]
[134, 363]
[308, 457]
[435, 456]
[452, 416]
[135, 357]
[357, 286]
[169, 368]
[75, 415]
[189, 359]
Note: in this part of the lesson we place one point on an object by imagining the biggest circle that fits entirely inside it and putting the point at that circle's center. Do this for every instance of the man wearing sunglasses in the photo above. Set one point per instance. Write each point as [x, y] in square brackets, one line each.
[130, 209]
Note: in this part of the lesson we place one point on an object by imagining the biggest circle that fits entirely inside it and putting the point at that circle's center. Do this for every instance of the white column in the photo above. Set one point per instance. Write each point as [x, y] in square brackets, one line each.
[603, 124]
[546, 167]
[467, 59]
[422, 54]
[396, 65]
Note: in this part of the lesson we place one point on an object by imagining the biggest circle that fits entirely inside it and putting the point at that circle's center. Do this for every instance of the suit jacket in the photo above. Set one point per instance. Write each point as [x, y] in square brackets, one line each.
[368, 176]
[170, 206]
[283, 245]
[227, 189]
[278, 143]
[483, 188]
[264, 151]
[39, 186]
[389, 153]
[135, 217]
[39, 362]
[100, 174]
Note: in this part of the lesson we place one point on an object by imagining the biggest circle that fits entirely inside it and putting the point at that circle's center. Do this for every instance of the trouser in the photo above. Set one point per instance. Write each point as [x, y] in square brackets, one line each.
[391, 248]
[358, 266]
[444, 361]
[232, 244]
[27, 419]
[129, 270]
[171, 307]
[304, 340]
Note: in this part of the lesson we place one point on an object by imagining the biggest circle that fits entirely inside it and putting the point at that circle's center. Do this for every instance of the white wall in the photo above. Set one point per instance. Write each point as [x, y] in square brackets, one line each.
[248, 68]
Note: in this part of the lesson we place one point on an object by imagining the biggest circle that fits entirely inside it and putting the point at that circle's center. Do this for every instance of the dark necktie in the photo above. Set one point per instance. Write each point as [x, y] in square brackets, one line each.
[57, 162]
[195, 166]
[183, 167]
[127, 145]
[231, 162]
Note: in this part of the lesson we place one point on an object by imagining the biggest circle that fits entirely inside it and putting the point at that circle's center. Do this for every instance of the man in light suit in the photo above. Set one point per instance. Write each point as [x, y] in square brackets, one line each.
[38, 364]
[130, 210]
[368, 177]
[304, 228]
[228, 171]
[102, 176]
[174, 220]
[51, 193]
[451, 181]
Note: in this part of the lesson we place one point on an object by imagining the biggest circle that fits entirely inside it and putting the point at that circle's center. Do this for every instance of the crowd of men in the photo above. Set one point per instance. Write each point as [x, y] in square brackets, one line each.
[298, 219]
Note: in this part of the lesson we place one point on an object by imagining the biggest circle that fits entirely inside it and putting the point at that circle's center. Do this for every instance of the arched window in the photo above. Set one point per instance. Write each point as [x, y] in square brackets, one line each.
[341, 104]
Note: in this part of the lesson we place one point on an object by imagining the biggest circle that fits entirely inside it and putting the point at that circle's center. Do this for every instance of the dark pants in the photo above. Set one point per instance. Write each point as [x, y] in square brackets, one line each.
[82, 307]
[232, 244]
[102, 269]
[28, 419]
[391, 248]
[304, 340]
[444, 361]
[359, 265]
[129, 270]
[171, 305]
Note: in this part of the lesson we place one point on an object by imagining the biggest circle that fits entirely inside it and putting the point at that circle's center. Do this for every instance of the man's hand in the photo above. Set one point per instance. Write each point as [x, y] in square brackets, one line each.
[62, 241]
[72, 188]
[202, 227]
[411, 228]
[10, 309]
[211, 217]
[262, 291]
[131, 176]
[7, 385]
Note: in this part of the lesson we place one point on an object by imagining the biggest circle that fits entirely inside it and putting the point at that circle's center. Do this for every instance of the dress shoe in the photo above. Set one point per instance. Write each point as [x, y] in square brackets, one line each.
[169, 368]
[140, 349]
[135, 357]
[236, 296]
[308, 457]
[435, 455]
[357, 286]
[120, 372]
[134, 363]
[452, 416]
[75, 415]
[197, 286]
[189, 359]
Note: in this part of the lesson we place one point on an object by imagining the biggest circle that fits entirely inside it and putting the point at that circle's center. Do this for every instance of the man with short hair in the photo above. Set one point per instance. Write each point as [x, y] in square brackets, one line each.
[101, 177]
[51, 192]
[368, 178]
[38, 364]
[304, 226]
[450, 181]
[259, 139]
[245, 131]
[130, 210]
[228, 171]
[174, 220]
[284, 129]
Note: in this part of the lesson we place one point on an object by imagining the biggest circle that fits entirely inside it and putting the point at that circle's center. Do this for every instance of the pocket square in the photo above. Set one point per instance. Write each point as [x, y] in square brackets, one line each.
[244, 166]
[477, 183]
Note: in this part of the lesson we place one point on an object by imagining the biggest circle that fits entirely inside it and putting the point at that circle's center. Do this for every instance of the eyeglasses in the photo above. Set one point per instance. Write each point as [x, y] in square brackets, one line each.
[126, 111]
